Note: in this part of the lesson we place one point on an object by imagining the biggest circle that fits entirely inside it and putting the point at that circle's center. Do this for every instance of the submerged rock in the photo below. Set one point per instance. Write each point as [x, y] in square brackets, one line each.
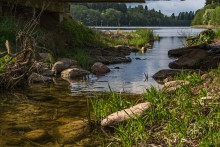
[99, 69]
[73, 73]
[71, 132]
[126, 114]
[14, 141]
[37, 135]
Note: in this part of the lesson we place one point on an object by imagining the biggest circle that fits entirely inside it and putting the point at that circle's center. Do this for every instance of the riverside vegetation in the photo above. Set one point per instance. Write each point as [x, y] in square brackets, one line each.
[181, 117]
[187, 116]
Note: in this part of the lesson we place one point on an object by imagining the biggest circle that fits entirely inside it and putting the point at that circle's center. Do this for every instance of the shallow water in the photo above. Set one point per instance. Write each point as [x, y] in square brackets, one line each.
[131, 77]
[50, 106]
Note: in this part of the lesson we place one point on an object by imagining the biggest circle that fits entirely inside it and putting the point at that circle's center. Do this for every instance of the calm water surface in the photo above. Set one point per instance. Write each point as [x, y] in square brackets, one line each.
[130, 77]
[48, 107]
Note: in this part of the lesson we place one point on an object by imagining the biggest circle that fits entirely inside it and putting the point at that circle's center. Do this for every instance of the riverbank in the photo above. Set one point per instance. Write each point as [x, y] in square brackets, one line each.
[181, 114]
[205, 26]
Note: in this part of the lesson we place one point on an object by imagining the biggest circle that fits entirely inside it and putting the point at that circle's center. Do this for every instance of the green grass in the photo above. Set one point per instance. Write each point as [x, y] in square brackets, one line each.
[176, 118]
[80, 36]
[217, 33]
[136, 38]
[83, 58]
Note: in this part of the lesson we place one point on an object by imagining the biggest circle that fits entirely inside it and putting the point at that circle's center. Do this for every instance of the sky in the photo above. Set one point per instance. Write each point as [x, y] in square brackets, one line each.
[174, 6]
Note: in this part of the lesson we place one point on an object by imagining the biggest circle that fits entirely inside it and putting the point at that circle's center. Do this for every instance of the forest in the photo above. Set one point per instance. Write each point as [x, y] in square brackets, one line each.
[117, 14]
[209, 15]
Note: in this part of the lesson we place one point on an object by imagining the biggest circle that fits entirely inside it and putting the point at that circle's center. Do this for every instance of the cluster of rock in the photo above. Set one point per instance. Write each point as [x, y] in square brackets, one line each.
[70, 69]
[66, 68]
[196, 58]
[68, 133]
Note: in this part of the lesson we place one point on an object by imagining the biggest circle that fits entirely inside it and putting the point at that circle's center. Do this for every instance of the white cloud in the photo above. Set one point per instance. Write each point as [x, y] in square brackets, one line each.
[174, 6]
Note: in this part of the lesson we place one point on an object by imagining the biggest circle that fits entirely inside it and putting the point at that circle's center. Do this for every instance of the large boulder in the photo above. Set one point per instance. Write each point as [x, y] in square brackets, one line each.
[124, 49]
[99, 68]
[210, 62]
[192, 60]
[63, 64]
[71, 132]
[161, 75]
[126, 114]
[73, 73]
[180, 52]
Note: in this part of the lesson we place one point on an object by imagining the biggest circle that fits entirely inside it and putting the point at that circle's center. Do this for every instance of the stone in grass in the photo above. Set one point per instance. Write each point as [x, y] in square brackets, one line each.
[126, 114]
[37, 135]
[173, 85]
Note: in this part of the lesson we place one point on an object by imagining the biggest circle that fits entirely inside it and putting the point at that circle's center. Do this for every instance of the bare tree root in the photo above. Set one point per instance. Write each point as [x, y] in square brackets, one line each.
[22, 63]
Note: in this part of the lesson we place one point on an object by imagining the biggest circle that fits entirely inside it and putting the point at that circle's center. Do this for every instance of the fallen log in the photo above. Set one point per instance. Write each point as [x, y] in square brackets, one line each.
[126, 114]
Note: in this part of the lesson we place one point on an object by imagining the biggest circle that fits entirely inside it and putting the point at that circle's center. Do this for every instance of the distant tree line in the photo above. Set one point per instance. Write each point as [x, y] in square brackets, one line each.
[117, 14]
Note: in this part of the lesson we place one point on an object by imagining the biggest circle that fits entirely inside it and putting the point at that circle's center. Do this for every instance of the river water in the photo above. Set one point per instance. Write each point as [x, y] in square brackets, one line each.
[50, 106]
[131, 77]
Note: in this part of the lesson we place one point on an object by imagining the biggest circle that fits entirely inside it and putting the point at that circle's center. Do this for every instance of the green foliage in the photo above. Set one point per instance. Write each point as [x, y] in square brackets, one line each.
[114, 14]
[83, 59]
[8, 30]
[217, 33]
[136, 38]
[209, 15]
[141, 36]
[3, 60]
[198, 17]
[80, 35]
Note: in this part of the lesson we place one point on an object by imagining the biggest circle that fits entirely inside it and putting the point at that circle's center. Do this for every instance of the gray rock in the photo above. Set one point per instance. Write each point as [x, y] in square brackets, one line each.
[126, 114]
[99, 69]
[134, 49]
[37, 135]
[210, 62]
[112, 60]
[45, 57]
[48, 73]
[37, 78]
[63, 64]
[124, 49]
[39, 67]
[71, 132]
[161, 75]
[193, 60]
[73, 73]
